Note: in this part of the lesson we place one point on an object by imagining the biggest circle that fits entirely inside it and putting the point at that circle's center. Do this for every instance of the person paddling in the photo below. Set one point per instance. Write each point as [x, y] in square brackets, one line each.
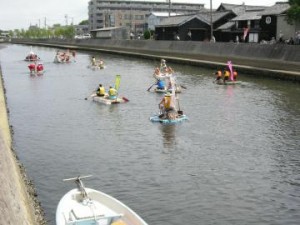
[235, 74]
[163, 66]
[93, 61]
[112, 93]
[219, 75]
[226, 75]
[166, 106]
[100, 91]
[160, 84]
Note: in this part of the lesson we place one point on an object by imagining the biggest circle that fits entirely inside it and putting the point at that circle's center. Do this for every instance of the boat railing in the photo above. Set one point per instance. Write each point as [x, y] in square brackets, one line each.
[80, 185]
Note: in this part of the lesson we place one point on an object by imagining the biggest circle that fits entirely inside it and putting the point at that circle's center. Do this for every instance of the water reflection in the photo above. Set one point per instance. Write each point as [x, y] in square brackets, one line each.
[168, 133]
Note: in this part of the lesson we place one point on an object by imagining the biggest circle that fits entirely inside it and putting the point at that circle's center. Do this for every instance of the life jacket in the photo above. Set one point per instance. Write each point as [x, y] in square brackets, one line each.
[167, 102]
[31, 67]
[112, 92]
[226, 74]
[102, 91]
[219, 73]
[39, 67]
[235, 74]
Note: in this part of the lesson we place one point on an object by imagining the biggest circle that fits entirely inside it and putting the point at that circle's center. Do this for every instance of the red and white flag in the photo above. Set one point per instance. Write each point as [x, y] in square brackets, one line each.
[246, 30]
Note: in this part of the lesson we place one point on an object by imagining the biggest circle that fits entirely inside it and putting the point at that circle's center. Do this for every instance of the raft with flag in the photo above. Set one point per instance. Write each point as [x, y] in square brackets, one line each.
[232, 77]
[109, 99]
[170, 112]
[162, 76]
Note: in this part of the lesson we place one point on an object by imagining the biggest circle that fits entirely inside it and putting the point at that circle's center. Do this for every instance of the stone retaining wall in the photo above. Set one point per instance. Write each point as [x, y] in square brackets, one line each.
[277, 60]
[18, 204]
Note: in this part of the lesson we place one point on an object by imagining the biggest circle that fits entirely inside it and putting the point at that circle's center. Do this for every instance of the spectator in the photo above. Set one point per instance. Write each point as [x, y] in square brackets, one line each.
[189, 36]
[297, 38]
[131, 35]
[213, 39]
[291, 41]
[273, 41]
[280, 37]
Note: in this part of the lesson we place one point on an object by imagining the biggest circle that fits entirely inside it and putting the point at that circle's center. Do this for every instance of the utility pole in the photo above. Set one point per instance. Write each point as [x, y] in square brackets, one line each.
[211, 21]
[45, 23]
[169, 8]
[66, 16]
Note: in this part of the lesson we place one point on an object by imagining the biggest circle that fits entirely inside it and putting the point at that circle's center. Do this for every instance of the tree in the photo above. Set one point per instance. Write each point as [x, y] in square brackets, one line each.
[293, 13]
[148, 34]
[84, 22]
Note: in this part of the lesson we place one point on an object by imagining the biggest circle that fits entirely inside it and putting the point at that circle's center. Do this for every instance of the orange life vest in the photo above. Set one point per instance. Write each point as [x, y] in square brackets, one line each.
[167, 102]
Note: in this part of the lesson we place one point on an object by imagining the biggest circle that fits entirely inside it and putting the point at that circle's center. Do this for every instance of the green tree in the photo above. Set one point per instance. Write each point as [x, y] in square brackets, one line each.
[293, 13]
[148, 34]
[84, 22]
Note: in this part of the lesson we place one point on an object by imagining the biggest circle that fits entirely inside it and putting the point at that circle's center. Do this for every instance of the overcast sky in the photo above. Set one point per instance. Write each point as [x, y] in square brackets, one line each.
[20, 14]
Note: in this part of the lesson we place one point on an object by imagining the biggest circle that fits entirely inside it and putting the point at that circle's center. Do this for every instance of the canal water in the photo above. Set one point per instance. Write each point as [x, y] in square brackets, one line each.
[236, 161]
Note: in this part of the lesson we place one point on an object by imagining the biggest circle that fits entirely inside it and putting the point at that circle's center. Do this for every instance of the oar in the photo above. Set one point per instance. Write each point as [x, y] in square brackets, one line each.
[91, 95]
[179, 111]
[150, 87]
[184, 87]
[125, 99]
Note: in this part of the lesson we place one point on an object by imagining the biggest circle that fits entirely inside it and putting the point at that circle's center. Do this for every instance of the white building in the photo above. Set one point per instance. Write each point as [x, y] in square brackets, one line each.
[132, 14]
[155, 17]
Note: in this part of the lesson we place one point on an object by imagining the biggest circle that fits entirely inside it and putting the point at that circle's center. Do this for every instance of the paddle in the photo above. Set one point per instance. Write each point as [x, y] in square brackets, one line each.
[125, 99]
[91, 95]
[150, 87]
[184, 87]
[179, 111]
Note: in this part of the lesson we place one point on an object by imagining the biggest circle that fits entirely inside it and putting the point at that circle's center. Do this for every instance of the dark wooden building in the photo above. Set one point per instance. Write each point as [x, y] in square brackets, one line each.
[245, 17]
[190, 27]
[273, 22]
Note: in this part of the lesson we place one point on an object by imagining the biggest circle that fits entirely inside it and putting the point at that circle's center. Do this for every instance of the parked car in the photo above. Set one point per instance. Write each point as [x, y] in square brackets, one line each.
[83, 36]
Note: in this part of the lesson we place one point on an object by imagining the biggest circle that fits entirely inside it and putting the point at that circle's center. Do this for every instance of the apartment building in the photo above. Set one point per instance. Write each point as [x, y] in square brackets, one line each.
[133, 14]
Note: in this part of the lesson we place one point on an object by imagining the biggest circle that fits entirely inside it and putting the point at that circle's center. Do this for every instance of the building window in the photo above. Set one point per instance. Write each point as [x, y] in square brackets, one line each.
[256, 24]
[139, 17]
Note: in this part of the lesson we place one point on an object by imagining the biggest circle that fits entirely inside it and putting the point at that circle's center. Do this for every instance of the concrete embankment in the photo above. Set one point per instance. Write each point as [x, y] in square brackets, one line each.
[18, 203]
[277, 60]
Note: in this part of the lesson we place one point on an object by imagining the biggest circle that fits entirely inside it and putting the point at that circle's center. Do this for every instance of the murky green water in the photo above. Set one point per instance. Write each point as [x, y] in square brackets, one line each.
[236, 161]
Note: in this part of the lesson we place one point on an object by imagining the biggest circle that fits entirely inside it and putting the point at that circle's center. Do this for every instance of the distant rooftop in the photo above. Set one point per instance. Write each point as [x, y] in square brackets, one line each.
[181, 19]
[278, 8]
[239, 9]
[248, 16]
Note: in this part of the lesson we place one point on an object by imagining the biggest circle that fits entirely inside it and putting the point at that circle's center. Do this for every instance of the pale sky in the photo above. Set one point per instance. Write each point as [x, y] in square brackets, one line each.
[20, 14]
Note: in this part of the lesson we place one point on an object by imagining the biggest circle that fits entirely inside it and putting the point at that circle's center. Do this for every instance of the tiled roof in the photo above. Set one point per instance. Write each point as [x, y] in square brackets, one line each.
[179, 20]
[175, 20]
[240, 9]
[278, 8]
[248, 16]
[226, 26]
